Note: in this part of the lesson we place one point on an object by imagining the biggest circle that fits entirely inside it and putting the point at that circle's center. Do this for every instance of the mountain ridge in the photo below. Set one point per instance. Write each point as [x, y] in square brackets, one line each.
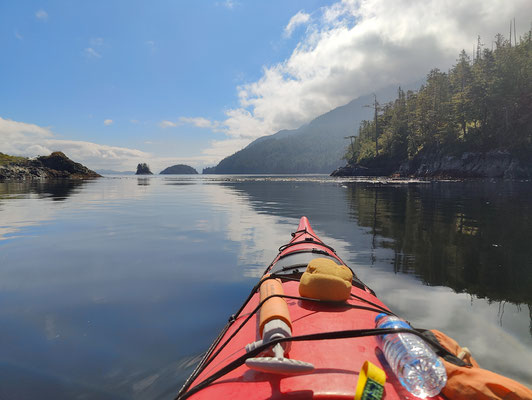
[315, 147]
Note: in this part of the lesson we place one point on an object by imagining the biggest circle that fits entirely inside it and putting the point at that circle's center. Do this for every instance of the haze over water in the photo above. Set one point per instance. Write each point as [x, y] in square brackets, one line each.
[112, 288]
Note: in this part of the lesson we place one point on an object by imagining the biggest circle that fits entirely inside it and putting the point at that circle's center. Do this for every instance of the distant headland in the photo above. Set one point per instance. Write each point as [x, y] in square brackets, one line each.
[55, 166]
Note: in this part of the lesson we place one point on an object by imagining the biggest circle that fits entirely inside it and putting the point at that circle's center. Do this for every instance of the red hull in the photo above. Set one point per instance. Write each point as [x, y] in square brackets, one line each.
[337, 362]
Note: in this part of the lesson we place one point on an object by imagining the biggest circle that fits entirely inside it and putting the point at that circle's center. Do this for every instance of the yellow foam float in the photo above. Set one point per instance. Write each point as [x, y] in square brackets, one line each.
[326, 280]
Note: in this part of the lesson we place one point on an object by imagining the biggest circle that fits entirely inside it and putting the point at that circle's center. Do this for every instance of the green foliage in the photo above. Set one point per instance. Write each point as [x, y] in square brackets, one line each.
[7, 159]
[479, 105]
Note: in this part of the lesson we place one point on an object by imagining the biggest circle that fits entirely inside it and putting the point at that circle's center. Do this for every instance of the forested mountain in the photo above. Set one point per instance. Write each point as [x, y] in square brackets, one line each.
[317, 147]
[482, 105]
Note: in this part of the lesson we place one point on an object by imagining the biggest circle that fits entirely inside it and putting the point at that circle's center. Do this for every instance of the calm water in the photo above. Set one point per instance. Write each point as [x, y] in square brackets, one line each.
[111, 289]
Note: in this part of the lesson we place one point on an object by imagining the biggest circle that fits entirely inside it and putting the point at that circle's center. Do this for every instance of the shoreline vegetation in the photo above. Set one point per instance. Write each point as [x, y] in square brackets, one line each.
[474, 121]
[55, 166]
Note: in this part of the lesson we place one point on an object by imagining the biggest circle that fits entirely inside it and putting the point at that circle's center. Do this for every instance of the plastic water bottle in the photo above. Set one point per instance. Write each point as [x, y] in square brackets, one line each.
[414, 363]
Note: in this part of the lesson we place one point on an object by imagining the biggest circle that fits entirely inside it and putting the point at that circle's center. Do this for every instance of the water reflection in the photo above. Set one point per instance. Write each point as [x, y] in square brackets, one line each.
[472, 237]
[56, 190]
[111, 293]
[136, 281]
[27, 204]
[143, 181]
[355, 218]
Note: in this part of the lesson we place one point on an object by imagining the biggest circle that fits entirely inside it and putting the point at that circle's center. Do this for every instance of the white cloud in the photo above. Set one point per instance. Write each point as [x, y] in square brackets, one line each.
[299, 19]
[96, 42]
[167, 124]
[18, 35]
[200, 122]
[42, 15]
[25, 139]
[229, 4]
[14, 131]
[91, 53]
[151, 45]
[95, 48]
[223, 147]
[95, 153]
[108, 122]
[355, 47]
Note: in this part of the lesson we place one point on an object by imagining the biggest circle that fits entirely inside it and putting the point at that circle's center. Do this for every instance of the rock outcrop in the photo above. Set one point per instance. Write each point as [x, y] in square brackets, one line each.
[357, 170]
[143, 169]
[179, 169]
[55, 166]
[493, 164]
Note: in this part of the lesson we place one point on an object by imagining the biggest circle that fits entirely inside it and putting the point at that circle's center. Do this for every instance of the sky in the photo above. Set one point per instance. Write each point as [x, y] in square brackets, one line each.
[116, 83]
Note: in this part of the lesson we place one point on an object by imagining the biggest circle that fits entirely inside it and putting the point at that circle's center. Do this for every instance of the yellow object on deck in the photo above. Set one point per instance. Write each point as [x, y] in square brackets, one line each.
[326, 280]
[371, 382]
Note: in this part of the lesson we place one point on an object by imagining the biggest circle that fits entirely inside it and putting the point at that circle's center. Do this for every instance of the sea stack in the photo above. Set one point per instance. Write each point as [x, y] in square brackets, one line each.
[143, 169]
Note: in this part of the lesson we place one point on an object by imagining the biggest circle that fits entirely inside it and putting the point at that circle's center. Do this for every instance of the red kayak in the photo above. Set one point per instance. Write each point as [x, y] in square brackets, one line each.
[330, 340]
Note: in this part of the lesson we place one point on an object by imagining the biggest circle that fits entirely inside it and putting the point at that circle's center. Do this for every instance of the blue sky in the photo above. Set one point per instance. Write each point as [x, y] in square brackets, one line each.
[113, 83]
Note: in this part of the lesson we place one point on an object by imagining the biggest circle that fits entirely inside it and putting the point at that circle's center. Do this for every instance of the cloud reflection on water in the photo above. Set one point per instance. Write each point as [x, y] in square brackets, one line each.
[475, 322]
[157, 269]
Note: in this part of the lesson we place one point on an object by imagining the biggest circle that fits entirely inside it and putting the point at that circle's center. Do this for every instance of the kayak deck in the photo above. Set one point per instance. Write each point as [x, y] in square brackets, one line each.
[337, 361]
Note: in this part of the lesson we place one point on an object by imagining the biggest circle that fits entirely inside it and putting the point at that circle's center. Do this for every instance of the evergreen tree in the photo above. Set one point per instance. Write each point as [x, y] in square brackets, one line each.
[479, 105]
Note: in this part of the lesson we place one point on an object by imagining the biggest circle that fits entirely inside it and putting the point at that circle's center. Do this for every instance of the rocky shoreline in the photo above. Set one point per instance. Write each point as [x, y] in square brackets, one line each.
[493, 164]
[55, 166]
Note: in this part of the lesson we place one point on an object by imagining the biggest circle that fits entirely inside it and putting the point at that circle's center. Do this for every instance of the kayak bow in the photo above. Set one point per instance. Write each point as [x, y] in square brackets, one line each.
[280, 344]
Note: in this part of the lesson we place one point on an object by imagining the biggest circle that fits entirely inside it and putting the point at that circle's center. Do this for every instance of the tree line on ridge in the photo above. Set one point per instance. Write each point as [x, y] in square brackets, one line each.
[479, 105]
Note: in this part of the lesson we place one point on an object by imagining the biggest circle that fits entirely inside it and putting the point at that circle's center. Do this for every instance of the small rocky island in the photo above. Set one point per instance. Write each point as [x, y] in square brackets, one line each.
[143, 169]
[179, 169]
[55, 166]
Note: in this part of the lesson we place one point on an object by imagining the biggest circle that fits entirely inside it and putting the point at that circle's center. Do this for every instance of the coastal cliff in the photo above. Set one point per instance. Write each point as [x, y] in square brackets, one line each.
[55, 166]
[493, 164]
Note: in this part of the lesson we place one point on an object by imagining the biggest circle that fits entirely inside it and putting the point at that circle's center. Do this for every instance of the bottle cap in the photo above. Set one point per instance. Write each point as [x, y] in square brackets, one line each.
[379, 316]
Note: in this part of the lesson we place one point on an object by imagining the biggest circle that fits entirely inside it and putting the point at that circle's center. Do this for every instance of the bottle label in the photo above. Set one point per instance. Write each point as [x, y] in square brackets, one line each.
[370, 385]
[373, 390]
